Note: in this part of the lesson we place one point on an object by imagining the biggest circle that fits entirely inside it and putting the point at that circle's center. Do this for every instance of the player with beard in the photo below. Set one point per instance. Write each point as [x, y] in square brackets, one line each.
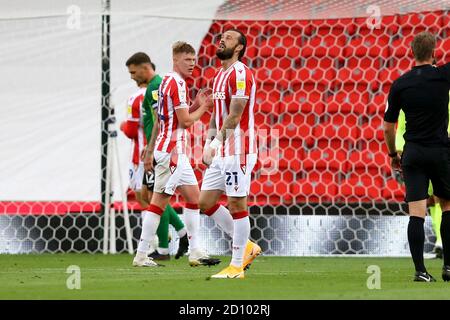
[231, 152]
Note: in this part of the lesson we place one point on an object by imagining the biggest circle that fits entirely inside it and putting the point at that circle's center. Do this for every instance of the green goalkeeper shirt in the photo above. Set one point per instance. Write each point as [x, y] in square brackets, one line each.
[401, 129]
[150, 104]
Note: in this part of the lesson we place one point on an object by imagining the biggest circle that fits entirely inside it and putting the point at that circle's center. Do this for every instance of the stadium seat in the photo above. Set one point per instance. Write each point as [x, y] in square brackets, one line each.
[323, 46]
[367, 161]
[303, 101]
[296, 28]
[304, 190]
[268, 102]
[274, 188]
[401, 47]
[326, 159]
[387, 25]
[347, 102]
[393, 191]
[360, 188]
[443, 50]
[358, 77]
[413, 23]
[363, 46]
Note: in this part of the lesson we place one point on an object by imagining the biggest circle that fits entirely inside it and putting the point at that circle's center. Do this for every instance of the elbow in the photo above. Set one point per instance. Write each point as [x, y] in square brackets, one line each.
[186, 124]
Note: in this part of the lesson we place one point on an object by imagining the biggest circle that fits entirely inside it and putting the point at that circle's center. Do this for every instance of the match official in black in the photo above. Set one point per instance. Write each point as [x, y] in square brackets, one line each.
[423, 94]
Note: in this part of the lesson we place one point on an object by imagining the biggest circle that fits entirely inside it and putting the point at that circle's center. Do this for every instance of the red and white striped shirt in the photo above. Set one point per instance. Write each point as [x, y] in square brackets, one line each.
[236, 82]
[135, 115]
[173, 95]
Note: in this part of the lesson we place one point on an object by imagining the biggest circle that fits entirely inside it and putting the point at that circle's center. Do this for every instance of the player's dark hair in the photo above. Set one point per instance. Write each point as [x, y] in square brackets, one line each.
[242, 40]
[423, 46]
[139, 58]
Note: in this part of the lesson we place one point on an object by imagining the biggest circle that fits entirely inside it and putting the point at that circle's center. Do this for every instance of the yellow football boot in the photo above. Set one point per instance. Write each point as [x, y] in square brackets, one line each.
[252, 250]
[230, 272]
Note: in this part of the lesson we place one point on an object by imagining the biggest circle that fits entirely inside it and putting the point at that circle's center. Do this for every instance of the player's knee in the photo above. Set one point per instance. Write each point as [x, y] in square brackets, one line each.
[236, 206]
[203, 205]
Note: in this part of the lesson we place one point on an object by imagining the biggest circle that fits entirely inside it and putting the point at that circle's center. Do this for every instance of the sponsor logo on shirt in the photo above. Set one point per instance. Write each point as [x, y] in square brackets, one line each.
[240, 85]
[219, 95]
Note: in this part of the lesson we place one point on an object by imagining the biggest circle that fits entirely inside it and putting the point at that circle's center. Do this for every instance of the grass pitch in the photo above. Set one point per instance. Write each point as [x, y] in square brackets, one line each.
[112, 277]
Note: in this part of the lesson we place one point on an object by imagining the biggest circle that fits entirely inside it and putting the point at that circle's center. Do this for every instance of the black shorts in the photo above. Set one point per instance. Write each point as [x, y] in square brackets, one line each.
[149, 180]
[420, 165]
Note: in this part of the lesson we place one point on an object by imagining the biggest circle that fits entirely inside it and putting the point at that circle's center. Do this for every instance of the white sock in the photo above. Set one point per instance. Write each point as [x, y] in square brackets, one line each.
[192, 222]
[149, 226]
[224, 220]
[182, 232]
[240, 236]
[163, 250]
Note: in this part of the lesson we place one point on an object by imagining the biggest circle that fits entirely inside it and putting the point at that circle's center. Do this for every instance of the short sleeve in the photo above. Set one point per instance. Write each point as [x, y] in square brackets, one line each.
[393, 106]
[179, 94]
[155, 97]
[134, 109]
[445, 70]
[240, 82]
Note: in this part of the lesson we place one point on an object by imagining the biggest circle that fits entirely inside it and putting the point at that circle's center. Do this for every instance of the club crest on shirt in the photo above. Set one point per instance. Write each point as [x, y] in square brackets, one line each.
[155, 95]
[172, 168]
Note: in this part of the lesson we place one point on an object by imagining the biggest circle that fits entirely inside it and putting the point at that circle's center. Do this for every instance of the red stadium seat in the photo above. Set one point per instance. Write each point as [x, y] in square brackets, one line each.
[291, 158]
[325, 160]
[304, 190]
[361, 188]
[363, 46]
[393, 191]
[303, 101]
[348, 102]
[367, 161]
[268, 102]
[401, 47]
[323, 46]
[413, 23]
[443, 50]
[358, 77]
[387, 25]
[296, 28]
[273, 188]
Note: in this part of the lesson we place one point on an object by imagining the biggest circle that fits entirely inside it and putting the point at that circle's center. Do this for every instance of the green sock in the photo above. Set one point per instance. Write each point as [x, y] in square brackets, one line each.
[163, 229]
[436, 217]
[174, 219]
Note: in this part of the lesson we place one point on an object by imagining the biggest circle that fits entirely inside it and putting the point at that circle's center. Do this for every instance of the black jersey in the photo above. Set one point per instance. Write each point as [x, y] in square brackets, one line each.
[423, 94]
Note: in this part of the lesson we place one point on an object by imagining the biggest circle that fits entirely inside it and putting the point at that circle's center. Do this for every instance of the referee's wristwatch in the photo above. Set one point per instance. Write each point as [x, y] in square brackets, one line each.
[393, 154]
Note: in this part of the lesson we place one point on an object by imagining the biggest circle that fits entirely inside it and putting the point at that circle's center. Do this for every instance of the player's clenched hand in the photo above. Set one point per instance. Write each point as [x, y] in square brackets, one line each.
[208, 155]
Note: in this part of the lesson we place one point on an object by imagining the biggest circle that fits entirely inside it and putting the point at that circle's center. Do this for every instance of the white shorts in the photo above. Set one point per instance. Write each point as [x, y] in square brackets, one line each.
[136, 174]
[229, 175]
[172, 173]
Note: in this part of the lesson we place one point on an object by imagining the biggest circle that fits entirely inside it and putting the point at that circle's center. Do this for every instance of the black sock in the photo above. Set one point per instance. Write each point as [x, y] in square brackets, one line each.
[445, 235]
[416, 239]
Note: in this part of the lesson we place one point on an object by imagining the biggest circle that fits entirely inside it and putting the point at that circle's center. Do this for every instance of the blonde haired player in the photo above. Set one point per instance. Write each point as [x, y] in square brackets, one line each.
[167, 154]
[232, 154]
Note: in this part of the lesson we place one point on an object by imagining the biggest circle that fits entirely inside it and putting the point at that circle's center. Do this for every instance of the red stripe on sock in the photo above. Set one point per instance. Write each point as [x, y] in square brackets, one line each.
[193, 206]
[239, 215]
[211, 210]
[155, 209]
